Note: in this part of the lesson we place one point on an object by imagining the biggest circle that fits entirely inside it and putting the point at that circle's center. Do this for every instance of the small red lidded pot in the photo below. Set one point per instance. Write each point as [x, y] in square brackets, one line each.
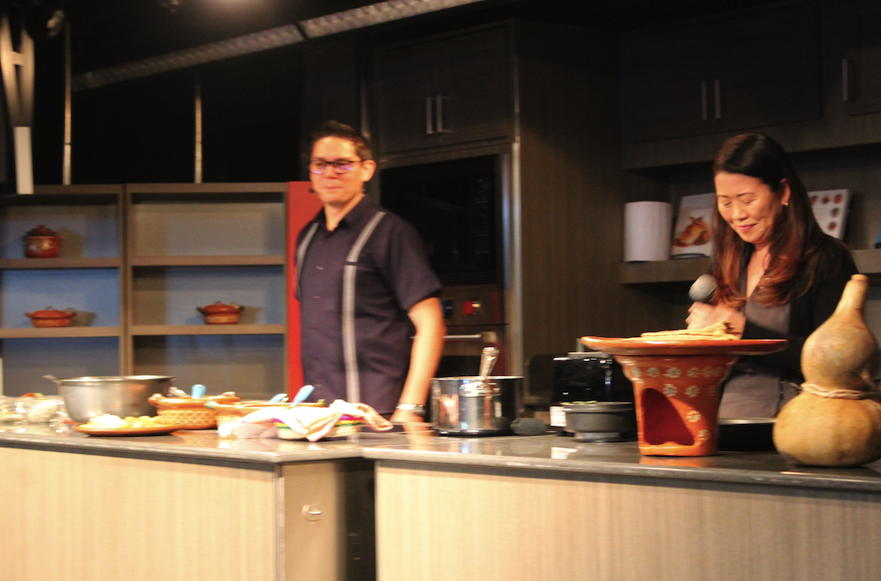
[50, 317]
[221, 314]
[42, 242]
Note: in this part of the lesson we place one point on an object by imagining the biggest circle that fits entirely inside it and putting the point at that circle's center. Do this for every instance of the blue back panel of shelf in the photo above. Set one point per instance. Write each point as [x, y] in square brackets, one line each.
[86, 231]
[26, 361]
[171, 295]
[94, 293]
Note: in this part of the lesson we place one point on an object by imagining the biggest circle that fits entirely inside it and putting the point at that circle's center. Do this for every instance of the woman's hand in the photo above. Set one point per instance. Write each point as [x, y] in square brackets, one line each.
[703, 315]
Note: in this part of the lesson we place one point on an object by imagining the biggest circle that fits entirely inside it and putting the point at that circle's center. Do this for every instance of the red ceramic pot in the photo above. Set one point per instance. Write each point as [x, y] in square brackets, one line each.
[50, 317]
[221, 314]
[42, 242]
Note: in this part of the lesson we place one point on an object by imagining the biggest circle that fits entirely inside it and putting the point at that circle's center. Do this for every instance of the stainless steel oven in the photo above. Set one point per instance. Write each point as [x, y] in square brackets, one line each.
[475, 319]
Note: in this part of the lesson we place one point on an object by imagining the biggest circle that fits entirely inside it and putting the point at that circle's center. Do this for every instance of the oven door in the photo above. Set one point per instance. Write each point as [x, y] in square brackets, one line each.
[462, 349]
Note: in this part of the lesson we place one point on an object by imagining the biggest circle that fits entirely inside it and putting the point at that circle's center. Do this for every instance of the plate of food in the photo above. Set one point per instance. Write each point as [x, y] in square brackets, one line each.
[107, 425]
[714, 340]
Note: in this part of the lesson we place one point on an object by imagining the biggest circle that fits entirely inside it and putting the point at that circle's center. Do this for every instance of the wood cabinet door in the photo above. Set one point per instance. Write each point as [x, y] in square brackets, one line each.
[665, 85]
[738, 73]
[475, 88]
[405, 91]
[768, 66]
[864, 58]
[447, 91]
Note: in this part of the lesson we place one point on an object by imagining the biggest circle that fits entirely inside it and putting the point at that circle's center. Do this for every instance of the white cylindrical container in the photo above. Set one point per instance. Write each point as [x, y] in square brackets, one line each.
[647, 230]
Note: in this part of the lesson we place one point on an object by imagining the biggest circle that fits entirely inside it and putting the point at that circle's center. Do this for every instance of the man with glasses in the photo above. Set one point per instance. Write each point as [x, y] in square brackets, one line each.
[363, 280]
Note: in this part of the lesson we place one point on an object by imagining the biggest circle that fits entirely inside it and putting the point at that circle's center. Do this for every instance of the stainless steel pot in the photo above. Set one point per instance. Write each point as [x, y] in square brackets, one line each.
[465, 406]
[125, 395]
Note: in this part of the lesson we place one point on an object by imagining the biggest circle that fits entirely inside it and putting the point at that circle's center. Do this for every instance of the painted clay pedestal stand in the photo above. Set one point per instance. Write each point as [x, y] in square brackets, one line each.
[676, 387]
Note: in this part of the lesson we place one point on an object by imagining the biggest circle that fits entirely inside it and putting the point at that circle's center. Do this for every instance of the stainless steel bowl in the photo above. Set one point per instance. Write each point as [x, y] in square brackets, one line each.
[124, 395]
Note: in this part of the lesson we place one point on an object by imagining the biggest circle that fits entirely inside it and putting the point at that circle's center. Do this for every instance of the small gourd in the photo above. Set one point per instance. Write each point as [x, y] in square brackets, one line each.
[836, 419]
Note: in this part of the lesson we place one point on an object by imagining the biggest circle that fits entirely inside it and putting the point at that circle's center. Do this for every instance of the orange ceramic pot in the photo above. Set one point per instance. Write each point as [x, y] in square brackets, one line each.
[221, 314]
[50, 317]
[42, 242]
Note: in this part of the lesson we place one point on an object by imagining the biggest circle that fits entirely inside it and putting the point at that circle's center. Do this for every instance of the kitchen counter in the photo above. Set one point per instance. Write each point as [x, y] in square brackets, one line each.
[203, 445]
[420, 445]
[544, 507]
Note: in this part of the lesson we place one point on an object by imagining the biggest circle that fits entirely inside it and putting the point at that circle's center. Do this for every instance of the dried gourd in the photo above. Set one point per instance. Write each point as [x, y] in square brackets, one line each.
[836, 419]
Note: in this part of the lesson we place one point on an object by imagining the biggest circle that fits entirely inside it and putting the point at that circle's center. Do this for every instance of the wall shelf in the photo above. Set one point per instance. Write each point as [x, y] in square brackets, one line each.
[238, 329]
[688, 269]
[227, 260]
[57, 332]
[47, 263]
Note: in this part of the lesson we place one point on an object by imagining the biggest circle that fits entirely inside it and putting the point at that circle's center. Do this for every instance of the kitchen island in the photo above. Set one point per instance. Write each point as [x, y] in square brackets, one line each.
[184, 506]
[548, 507]
[193, 505]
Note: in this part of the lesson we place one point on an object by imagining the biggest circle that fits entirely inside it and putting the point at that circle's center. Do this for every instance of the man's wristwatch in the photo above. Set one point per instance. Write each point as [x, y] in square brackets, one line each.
[416, 408]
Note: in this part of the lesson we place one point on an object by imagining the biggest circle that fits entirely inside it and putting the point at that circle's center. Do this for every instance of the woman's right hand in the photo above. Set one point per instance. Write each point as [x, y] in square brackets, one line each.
[703, 315]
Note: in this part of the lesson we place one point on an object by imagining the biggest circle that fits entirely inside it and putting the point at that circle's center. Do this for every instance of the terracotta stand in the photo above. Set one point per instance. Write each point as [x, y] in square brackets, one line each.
[676, 388]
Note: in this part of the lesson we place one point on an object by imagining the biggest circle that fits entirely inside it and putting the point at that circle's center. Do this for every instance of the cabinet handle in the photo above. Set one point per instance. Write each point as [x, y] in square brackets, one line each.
[846, 88]
[703, 100]
[428, 127]
[717, 89]
[439, 107]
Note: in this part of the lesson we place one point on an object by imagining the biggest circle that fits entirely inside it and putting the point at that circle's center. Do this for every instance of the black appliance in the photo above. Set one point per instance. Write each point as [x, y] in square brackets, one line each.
[584, 377]
[455, 207]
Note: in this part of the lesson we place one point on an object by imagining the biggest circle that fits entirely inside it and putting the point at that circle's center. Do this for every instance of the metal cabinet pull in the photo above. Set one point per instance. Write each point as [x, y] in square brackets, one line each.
[846, 89]
[703, 100]
[717, 89]
[428, 125]
[439, 108]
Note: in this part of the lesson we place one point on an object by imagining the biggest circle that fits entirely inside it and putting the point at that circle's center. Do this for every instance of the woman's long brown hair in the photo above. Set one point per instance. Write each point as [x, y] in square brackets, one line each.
[796, 238]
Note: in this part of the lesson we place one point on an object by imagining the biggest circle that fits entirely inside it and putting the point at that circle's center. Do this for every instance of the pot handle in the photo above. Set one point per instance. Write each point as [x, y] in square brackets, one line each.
[155, 399]
[53, 379]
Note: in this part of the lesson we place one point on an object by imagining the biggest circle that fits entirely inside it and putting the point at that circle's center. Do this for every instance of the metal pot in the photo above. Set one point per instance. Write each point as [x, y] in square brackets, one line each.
[126, 395]
[465, 406]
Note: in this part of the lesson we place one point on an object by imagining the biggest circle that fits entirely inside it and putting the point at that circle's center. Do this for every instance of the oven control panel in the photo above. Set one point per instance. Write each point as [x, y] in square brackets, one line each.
[472, 307]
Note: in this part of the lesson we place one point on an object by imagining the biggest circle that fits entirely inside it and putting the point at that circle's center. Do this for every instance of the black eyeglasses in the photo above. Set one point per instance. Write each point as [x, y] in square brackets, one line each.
[340, 166]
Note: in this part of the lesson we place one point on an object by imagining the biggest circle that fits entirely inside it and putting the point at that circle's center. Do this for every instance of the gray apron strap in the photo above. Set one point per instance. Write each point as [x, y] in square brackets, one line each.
[301, 254]
[350, 353]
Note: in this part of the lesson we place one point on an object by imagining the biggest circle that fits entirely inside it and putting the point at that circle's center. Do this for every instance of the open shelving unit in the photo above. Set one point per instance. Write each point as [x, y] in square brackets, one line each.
[136, 261]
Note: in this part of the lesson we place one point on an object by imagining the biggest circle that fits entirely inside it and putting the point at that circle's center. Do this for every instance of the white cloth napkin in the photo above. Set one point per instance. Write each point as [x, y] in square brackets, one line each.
[311, 422]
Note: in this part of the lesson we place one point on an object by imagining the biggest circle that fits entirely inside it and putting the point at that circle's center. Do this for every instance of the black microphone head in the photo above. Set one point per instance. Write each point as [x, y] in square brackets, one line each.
[703, 289]
[528, 427]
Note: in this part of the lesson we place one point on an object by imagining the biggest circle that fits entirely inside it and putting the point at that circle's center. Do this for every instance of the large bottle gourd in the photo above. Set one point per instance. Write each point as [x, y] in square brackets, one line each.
[836, 419]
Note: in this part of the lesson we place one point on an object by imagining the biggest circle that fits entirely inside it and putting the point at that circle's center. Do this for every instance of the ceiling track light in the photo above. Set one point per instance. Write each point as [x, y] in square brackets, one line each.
[347, 20]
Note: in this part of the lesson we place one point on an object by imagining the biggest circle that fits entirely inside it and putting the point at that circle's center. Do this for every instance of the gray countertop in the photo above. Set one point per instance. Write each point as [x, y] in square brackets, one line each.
[549, 454]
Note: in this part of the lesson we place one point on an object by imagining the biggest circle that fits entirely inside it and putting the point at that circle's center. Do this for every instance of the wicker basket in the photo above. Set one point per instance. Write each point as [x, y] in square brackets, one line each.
[191, 413]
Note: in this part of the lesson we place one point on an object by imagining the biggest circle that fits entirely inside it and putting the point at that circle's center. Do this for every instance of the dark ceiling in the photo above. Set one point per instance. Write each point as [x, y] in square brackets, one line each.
[112, 32]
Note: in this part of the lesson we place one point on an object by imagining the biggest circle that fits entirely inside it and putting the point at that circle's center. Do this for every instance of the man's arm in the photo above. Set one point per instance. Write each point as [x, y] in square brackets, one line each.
[424, 355]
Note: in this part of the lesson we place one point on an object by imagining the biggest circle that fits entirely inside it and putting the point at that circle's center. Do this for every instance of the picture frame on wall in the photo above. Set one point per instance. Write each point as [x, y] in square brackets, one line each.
[692, 232]
[830, 209]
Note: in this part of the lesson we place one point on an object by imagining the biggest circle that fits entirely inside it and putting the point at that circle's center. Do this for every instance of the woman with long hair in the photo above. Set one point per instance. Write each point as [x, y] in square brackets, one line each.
[779, 276]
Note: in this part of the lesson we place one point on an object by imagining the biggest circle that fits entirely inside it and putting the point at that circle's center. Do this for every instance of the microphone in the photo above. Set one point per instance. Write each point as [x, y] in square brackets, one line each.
[703, 289]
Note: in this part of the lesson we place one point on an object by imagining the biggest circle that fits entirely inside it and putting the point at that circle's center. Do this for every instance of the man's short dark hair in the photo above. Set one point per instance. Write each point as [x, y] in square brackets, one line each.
[343, 131]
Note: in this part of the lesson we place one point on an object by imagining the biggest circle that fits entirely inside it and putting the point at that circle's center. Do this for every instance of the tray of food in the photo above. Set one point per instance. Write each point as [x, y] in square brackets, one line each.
[108, 425]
